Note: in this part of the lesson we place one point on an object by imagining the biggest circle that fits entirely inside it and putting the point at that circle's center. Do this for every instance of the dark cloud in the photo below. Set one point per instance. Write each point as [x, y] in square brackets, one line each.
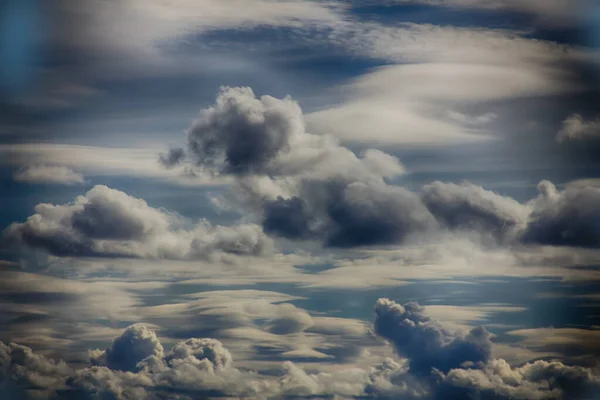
[427, 344]
[172, 158]
[472, 208]
[24, 374]
[242, 134]
[371, 214]
[109, 223]
[440, 364]
[310, 187]
[128, 350]
[565, 218]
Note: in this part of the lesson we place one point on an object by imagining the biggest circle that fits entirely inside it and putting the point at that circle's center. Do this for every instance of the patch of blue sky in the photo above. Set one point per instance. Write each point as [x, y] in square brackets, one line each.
[20, 52]
[19, 199]
[536, 303]
[392, 14]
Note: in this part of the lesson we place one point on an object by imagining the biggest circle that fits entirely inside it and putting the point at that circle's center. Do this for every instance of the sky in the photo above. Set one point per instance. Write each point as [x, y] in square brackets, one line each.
[299, 199]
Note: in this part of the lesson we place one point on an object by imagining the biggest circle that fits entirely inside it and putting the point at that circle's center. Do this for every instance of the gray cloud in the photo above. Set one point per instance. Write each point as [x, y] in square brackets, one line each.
[25, 374]
[576, 128]
[564, 218]
[440, 363]
[470, 207]
[427, 344]
[128, 350]
[109, 223]
[310, 187]
[172, 158]
[242, 134]
[49, 174]
[458, 365]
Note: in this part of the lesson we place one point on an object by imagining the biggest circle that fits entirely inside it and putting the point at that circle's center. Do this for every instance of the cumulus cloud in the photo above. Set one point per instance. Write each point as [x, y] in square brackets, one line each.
[306, 186]
[470, 207]
[575, 128]
[24, 373]
[440, 363]
[134, 345]
[109, 223]
[48, 174]
[459, 365]
[564, 218]
[309, 187]
[427, 344]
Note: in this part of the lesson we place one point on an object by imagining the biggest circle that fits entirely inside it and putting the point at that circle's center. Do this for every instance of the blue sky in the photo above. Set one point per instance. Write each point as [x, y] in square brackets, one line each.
[246, 198]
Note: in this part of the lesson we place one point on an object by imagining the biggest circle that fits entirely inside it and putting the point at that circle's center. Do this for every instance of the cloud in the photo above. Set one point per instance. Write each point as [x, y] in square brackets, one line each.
[536, 380]
[140, 27]
[426, 343]
[564, 218]
[460, 365]
[470, 207]
[204, 367]
[437, 70]
[21, 369]
[317, 189]
[48, 174]
[306, 187]
[576, 128]
[172, 158]
[109, 223]
[100, 161]
[134, 345]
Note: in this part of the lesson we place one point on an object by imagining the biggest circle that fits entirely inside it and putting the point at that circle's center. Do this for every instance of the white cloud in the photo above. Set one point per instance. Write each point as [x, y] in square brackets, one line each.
[48, 174]
[99, 161]
[576, 128]
[141, 26]
[437, 70]
[109, 223]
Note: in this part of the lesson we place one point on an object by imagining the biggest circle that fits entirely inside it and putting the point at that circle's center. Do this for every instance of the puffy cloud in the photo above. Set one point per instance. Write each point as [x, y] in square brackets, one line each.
[247, 135]
[23, 372]
[196, 350]
[128, 350]
[243, 134]
[316, 188]
[536, 380]
[576, 128]
[470, 207]
[310, 187]
[427, 344]
[564, 218]
[48, 174]
[348, 215]
[109, 223]
[440, 364]
[459, 365]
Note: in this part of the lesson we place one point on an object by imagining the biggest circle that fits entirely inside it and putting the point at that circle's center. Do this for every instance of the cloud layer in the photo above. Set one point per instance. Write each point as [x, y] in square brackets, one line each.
[48, 174]
[439, 363]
